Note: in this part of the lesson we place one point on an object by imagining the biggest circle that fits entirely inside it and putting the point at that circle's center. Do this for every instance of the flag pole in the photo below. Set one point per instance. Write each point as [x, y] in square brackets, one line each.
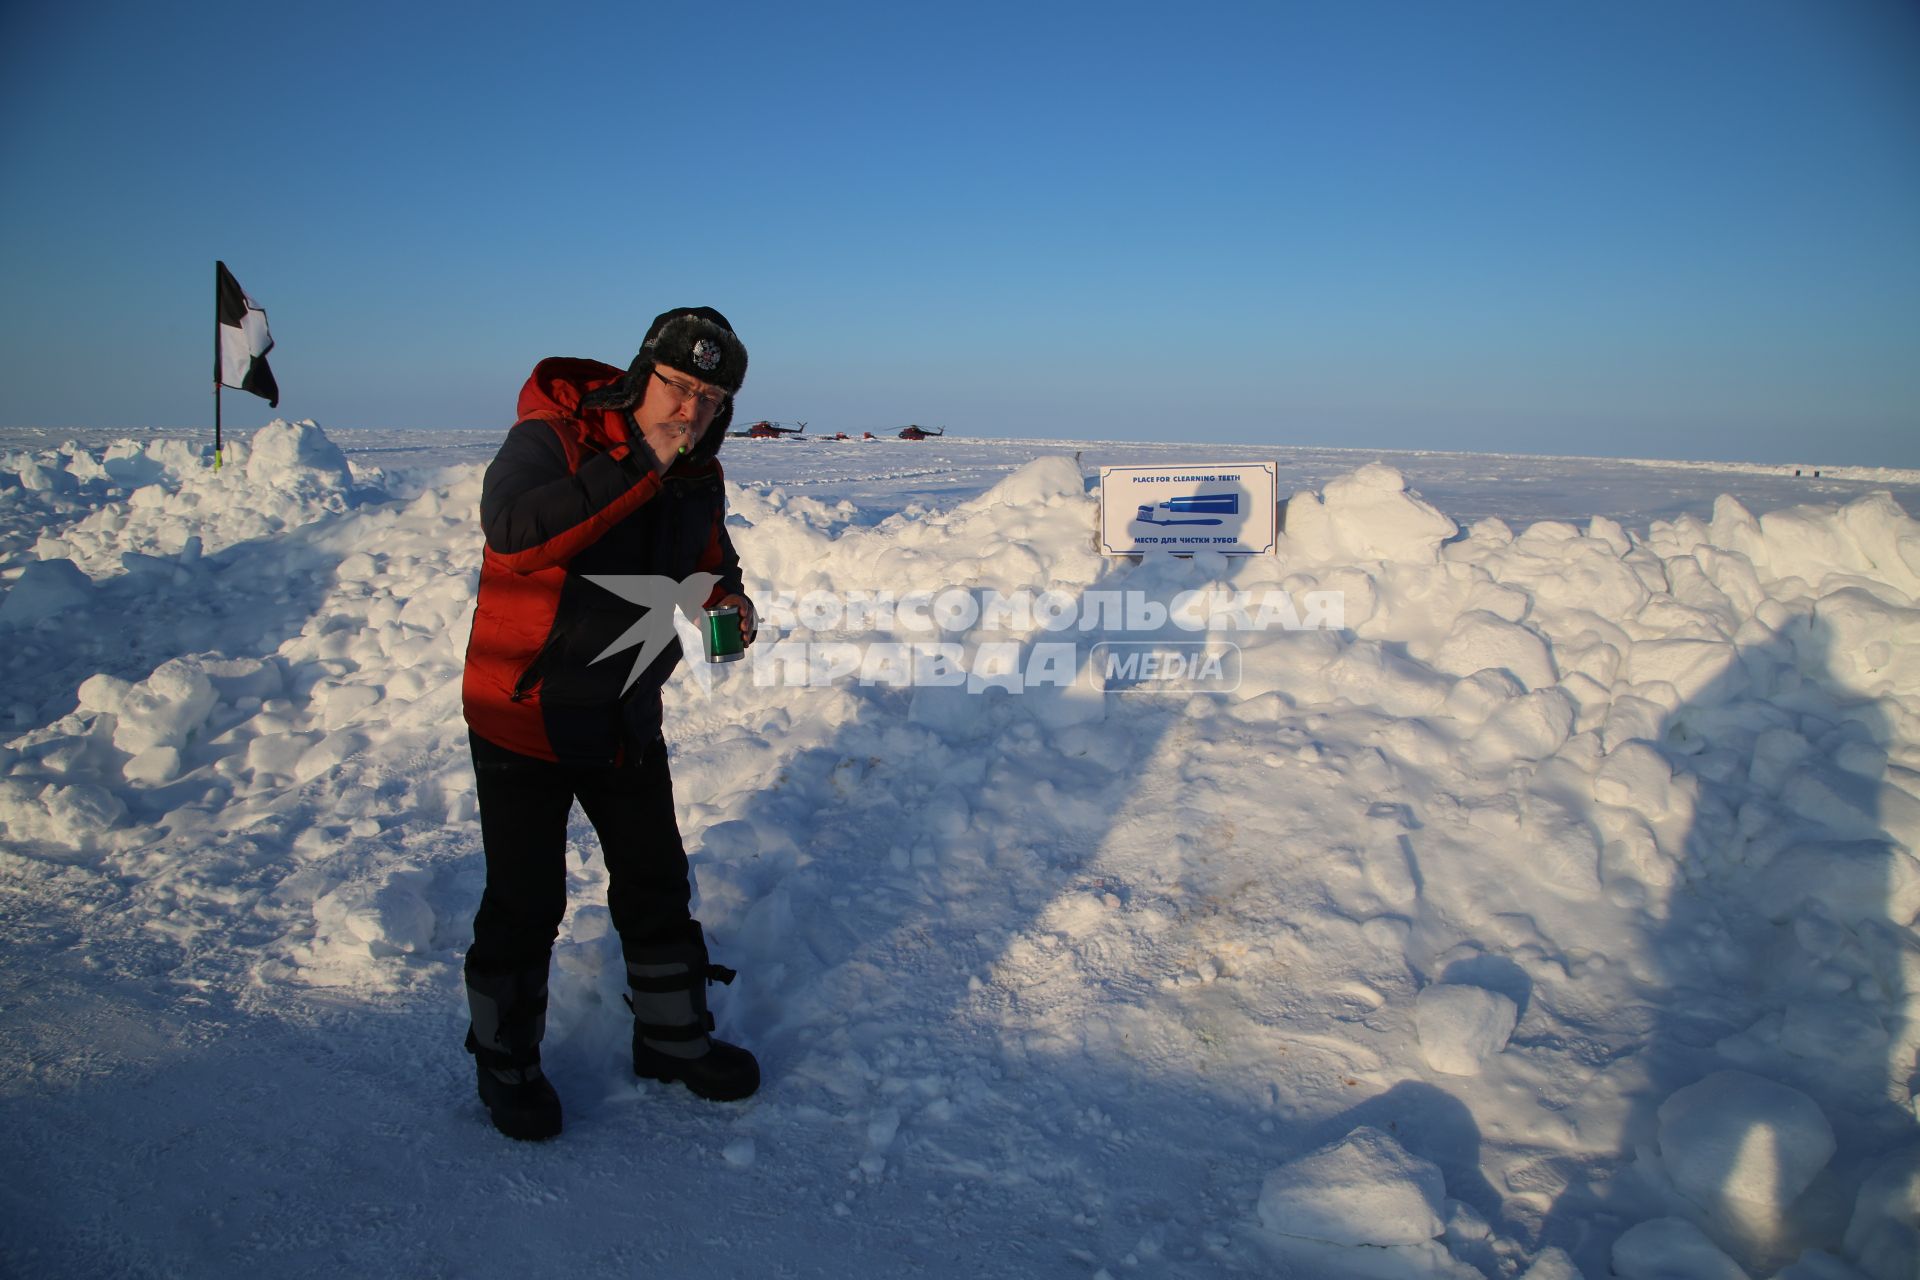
[216, 366]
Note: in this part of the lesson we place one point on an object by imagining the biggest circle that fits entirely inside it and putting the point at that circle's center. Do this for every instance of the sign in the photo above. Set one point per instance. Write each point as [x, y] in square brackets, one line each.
[1226, 507]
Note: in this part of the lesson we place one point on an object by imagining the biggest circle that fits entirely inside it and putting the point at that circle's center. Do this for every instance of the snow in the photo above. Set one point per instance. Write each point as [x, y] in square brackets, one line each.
[44, 589]
[1743, 1149]
[1817, 1265]
[1461, 1027]
[1363, 1190]
[1366, 515]
[1552, 1264]
[1549, 913]
[1883, 1236]
[1671, 1249]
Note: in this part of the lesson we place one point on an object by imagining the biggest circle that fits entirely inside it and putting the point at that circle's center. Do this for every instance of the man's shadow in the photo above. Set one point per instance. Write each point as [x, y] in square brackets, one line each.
[1777, 954]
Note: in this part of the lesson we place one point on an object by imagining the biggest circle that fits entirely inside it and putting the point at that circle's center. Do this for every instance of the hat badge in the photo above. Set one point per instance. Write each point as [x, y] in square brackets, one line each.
[706, 355]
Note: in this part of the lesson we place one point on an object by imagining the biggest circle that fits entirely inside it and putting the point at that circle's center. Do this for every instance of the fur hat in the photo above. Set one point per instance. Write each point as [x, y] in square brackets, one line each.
[675, 339]
[698, 342]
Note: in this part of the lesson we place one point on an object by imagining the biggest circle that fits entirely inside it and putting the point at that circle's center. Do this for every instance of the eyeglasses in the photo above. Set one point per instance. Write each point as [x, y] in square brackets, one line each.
[713, 399]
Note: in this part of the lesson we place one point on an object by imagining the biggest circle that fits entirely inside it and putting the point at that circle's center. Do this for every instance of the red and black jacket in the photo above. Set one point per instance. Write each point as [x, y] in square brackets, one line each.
[568, 497]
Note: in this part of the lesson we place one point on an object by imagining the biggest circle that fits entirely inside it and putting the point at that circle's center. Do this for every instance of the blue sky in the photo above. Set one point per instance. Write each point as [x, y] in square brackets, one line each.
[1669, 228]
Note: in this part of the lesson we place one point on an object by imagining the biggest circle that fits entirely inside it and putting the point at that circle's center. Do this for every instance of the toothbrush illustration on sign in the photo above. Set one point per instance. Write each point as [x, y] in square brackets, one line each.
[1220, 504]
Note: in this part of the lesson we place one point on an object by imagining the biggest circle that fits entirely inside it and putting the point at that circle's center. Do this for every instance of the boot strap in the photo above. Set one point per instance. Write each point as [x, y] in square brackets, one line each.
[671, 1030]
[509, 1016]
[497, 1061]
[529, 1074]
[675, 1031]
[665, 984]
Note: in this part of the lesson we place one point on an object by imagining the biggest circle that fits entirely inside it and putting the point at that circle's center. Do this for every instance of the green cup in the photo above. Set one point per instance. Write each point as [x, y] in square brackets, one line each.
[724, 643]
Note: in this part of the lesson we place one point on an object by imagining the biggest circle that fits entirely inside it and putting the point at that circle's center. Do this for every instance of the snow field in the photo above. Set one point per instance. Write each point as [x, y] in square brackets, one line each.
[334, 664]
[1554, 916]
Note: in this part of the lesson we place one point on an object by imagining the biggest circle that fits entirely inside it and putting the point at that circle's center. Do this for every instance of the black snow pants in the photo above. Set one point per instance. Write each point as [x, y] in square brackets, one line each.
[524, 803]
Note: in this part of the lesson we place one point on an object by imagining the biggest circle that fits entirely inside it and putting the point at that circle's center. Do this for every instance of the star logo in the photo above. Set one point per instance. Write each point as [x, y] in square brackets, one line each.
[660, 597]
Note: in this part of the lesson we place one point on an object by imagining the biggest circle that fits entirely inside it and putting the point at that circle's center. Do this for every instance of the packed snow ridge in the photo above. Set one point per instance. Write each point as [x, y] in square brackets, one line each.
[1552, 916]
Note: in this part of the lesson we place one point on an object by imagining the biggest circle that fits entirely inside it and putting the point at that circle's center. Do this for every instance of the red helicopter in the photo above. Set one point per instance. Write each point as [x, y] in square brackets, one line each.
[920, 433]
[768, 431]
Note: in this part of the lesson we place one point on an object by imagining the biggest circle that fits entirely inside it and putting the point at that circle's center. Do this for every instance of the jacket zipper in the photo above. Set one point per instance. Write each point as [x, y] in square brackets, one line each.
[523, 688]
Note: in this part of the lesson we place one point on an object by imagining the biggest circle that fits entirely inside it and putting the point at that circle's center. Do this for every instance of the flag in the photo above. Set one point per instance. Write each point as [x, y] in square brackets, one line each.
[244, 340]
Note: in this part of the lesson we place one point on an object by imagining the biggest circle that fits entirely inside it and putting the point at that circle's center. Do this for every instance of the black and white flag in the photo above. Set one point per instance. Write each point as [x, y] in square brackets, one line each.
[244, 341]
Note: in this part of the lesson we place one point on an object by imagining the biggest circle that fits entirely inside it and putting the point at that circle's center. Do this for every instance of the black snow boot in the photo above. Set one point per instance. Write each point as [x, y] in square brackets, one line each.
[671, 1022]
[509, 1021]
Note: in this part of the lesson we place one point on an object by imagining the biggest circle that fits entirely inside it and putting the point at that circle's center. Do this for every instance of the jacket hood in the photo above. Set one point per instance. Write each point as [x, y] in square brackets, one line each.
[556, 387]
[559, 384]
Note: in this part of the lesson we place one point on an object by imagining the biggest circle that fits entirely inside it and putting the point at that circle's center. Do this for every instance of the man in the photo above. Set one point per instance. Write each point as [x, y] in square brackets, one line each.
[606, 475]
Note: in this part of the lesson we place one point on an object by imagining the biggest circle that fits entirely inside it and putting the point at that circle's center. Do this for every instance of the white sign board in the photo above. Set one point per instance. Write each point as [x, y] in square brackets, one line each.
[1227, 507]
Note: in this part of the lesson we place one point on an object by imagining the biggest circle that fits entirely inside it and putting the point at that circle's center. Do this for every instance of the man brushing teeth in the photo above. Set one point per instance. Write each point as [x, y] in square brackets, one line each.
[605, 476]
[674, 414]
